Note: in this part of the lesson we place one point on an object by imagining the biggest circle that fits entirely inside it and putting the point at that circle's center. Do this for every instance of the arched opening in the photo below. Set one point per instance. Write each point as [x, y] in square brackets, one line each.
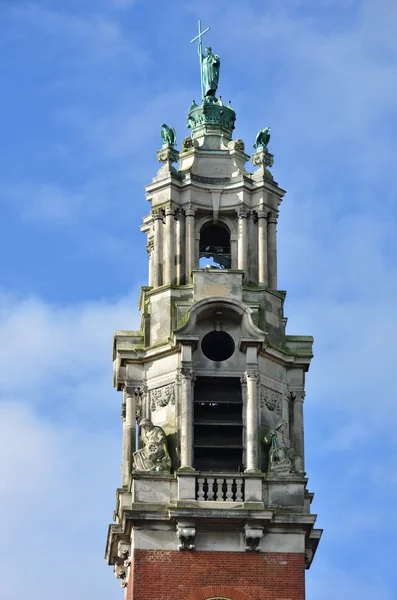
[214, 250]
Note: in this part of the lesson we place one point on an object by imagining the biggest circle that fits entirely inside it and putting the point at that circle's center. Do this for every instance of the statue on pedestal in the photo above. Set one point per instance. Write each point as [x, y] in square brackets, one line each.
[209, 66]
[281, 453]
[154, 454]
[210, 70]
[168, 135]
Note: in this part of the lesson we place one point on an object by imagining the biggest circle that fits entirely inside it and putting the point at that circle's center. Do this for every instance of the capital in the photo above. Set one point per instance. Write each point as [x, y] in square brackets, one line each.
[157, 214]
[272, 217]
[190, 211]
[179, 214]
[169, 211]
[262, 213]
[252, 374]
[186, 372]
[242, 212]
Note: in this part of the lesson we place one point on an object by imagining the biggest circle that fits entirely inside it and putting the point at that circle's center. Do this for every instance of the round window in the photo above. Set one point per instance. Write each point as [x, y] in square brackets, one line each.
[217, 345]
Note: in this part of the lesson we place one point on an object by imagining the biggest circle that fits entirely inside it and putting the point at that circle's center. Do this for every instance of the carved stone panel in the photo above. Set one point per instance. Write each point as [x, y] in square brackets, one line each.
[271, 399]
[162, 396]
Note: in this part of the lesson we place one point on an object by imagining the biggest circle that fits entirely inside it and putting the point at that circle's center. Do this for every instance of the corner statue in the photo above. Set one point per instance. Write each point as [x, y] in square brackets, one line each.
[154, 454]
[262, 138]
[281, 453]
[210, 72]
[168, 135]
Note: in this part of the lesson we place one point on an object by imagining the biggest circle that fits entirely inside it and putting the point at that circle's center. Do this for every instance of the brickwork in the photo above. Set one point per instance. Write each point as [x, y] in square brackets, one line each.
[173, 575]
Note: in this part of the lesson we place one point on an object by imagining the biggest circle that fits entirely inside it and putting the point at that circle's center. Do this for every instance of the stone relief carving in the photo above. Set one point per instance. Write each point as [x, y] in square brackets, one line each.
[281, 454]
[253, 536]
[186, 536]
[154, 455]
[271, 399]
[162, 396]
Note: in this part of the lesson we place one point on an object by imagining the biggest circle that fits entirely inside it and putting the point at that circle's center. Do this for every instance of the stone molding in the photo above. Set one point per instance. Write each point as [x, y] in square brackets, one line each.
[162, 396]
[253, 536]
[217, 592]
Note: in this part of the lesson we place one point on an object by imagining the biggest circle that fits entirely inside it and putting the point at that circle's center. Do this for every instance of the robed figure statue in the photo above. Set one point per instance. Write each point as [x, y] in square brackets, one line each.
[210, 72]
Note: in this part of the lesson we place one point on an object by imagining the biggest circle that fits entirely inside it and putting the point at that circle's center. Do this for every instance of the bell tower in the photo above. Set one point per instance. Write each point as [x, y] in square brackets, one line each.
[213, 501]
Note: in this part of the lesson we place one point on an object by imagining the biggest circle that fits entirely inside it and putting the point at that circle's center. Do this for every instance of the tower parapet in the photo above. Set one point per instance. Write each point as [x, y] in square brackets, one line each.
[213, 469]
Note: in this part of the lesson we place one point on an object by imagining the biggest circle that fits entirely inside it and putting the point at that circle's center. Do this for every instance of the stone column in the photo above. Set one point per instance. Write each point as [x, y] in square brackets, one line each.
[157, 273]
[242, 239]
[262, 247]
[186, 418]
[272, 250]
[298, 434]
[180, 246]
[252, 420]
[252, 244]
[129, 432]
[169, 245]
[190, 250]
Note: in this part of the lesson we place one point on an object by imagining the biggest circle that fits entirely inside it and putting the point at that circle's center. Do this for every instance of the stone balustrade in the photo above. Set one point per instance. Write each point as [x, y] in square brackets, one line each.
[220, 489]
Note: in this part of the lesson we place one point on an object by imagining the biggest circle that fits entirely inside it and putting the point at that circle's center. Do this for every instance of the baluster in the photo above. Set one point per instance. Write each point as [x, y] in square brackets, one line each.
[219, 493]
[200, 491]
[239, 490]
[211, 488]
[229, 490]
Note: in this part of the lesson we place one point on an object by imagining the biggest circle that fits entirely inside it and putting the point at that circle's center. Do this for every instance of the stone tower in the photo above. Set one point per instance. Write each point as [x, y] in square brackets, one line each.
[214, 500]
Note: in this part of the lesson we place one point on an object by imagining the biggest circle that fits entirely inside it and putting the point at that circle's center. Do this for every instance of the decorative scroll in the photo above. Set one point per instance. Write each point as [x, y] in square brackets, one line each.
[271, 399]
[162, 396]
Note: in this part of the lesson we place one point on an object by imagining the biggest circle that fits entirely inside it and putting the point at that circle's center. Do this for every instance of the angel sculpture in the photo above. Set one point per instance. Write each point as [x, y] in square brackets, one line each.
[168, 135]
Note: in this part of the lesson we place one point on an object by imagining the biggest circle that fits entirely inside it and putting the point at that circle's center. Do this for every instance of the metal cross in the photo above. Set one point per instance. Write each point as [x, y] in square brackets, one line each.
[200, 51]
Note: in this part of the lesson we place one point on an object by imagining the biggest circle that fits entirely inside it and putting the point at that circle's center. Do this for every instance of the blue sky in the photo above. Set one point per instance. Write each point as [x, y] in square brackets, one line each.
[86, 86]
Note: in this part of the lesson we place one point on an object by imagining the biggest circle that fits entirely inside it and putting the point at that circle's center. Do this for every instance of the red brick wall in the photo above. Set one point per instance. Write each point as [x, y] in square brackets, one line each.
[190, 575]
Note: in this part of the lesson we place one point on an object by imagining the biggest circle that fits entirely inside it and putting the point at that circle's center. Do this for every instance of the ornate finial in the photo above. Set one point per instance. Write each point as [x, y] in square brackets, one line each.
[262, 138]
[168, 135]
[209, 66]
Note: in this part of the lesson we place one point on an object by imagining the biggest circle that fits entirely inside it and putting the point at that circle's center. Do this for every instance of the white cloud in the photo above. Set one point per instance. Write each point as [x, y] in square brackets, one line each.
[60, 444]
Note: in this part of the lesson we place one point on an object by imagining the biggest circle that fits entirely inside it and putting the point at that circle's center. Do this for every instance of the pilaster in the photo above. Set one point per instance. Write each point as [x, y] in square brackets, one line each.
[262, 246]
[272, 249]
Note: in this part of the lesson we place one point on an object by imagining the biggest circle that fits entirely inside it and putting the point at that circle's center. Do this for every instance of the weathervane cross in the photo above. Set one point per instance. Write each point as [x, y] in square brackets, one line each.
[200, 51]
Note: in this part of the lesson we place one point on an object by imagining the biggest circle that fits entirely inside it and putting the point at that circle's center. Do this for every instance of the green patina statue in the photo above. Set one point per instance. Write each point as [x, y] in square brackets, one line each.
[168, 135]
[210, 70]
[262, 138]
[209, 66]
